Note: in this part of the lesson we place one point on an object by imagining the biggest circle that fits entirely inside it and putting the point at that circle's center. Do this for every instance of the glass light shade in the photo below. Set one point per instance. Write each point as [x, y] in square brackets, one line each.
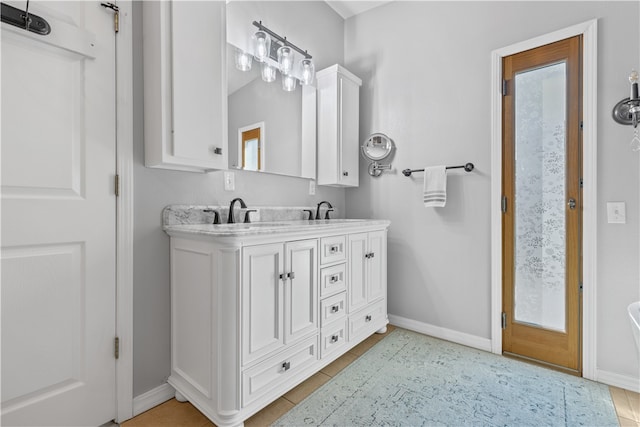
[268, 72]
[285, 59]
[633, 79]
[308, 71]
[288, 83]
[243, 60]
[261, 46]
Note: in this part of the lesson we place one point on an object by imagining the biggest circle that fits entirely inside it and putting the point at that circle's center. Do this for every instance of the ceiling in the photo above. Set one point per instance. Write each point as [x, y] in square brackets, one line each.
[347, 9]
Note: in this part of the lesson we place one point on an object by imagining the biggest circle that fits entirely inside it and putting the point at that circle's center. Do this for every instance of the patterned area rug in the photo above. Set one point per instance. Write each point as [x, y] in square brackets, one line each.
[409, 379]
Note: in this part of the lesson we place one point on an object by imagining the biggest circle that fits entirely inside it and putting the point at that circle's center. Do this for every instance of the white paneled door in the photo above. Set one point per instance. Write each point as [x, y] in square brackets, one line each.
[58, 217]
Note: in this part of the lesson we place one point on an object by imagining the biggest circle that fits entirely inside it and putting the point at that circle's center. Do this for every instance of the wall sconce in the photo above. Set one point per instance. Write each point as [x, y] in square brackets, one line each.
[277, 53]
[627, 111]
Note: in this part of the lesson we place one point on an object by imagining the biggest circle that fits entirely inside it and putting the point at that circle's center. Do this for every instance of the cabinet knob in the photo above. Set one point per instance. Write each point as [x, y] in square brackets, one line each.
[334, 338]
[367, 318]
[283, 277]
[286, 366]
[334, 249]
[335, 308]
[217, 150]
[334, 279]
[372, 254]
[345, 173]
[291, 275]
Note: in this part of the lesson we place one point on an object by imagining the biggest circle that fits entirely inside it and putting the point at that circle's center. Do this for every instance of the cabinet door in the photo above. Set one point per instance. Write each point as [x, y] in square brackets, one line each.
[377, 266]
[301, 289]
[199, 87]
[185, 87]
[262, 300]
[357, 284]
[348, 104]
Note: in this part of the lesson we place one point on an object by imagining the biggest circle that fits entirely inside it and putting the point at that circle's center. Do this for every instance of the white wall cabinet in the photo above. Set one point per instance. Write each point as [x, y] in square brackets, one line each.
[338, 119]
[185, 85]
[251, 320]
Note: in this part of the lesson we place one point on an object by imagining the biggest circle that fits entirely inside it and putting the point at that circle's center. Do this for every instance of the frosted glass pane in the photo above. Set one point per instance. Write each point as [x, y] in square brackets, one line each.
[251, 155]
[540, 248]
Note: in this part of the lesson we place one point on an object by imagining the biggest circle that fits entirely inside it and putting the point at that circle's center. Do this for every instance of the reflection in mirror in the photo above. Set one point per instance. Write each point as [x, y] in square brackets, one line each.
[290, 117]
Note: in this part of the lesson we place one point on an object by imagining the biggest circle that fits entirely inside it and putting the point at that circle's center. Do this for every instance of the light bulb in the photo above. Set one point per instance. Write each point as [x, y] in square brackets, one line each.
[633, 79]
[288, 83]
[285, 59]
[261, 46]
[308, 71]
[268, 72]
[243, 60]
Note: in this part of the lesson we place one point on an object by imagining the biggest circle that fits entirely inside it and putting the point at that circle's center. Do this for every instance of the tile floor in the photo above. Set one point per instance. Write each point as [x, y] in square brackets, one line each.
[175, 414]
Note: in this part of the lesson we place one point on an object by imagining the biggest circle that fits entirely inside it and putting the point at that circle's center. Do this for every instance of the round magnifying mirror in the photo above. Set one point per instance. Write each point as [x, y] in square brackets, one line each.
[377, 147]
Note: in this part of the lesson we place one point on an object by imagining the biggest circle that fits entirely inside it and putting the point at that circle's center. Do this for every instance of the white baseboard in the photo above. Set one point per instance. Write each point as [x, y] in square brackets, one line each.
[442, 333]
[618, 380]
[152, 398]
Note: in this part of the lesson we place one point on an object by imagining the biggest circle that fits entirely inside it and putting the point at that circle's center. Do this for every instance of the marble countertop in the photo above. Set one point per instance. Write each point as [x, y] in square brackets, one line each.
[273, 227]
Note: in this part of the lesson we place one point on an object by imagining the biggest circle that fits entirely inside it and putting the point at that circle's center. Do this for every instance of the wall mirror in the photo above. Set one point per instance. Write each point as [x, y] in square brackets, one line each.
[377, 147]
[270, 130]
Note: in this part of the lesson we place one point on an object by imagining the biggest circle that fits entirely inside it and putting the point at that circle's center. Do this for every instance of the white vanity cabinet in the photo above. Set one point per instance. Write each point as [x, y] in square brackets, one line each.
[185, 87]
[255, 312]
[338, 119]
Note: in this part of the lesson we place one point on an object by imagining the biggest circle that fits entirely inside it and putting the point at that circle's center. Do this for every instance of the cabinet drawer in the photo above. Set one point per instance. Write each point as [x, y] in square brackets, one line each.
[268, 375]
[333, 308]
[333, 338]
[333, 279]
[333, 249]
[368, 320]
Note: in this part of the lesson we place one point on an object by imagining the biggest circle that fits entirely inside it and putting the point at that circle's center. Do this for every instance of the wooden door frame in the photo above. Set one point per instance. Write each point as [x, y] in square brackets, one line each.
[589, 168]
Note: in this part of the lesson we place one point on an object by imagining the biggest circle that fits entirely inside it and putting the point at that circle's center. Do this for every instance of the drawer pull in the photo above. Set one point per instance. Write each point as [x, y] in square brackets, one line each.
[286, 366]
[334, 278]
[334, 338]
[335, 308]
[367, 318]
[334, 249]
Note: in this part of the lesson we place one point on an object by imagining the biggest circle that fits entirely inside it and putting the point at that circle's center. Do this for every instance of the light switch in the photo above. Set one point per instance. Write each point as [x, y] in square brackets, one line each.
[616, 213]
[229, 181]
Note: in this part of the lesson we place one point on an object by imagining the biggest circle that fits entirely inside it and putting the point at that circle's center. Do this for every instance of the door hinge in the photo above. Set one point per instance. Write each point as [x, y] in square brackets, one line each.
[580, 286]
[504, 87]
[116, 183]
[116, 347]
[581, 183]
[581, 125]
[504, 320]
[504, 204]
[116, 15]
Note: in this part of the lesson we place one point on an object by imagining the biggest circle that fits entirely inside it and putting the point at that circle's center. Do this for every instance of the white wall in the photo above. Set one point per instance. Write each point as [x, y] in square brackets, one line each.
[155, 189]
[426, 76]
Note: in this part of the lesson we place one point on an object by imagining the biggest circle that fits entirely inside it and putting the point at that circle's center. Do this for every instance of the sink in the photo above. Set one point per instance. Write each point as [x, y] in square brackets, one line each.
[245, 226]
[634, 318]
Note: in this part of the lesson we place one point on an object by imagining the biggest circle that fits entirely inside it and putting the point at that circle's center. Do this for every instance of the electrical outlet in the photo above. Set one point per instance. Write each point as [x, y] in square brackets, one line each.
[616, 212]
[229, 181]
[312, 188]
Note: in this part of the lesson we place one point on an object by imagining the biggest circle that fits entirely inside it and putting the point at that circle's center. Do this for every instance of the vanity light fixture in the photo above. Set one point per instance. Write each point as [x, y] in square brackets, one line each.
[627, 111]
[270, 49]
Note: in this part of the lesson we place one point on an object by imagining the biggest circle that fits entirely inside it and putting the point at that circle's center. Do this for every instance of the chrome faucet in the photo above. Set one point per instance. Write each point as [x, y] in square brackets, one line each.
[326, 215]
[231, 219]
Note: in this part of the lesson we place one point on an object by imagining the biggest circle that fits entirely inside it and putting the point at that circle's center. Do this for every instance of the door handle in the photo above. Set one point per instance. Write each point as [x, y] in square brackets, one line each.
[571, 203]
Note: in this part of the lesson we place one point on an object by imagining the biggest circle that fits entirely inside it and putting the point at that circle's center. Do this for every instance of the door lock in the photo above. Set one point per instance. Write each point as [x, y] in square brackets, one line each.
[572, 203]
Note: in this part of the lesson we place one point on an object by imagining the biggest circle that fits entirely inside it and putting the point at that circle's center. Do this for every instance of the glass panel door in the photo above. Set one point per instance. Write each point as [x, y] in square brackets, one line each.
[539, 230]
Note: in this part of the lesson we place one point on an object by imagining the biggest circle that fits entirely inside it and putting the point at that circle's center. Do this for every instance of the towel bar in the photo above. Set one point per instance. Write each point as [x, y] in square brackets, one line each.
[467, 167]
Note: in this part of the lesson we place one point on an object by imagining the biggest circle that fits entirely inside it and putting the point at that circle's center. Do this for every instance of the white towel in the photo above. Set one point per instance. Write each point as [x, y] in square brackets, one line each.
[435, 187]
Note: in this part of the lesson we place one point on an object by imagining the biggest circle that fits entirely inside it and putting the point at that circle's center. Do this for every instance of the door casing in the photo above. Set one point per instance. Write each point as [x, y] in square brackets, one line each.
[589, 167]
